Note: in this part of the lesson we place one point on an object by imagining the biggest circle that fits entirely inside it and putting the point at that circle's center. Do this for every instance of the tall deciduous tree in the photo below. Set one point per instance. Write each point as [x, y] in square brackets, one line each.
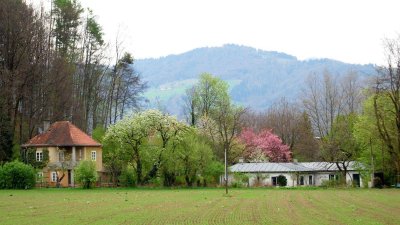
[193, 156]
[159, 131]
[340, 145]
[387, 102]
[203, 98]
[374, 153]
[129, 134]
[328, 97]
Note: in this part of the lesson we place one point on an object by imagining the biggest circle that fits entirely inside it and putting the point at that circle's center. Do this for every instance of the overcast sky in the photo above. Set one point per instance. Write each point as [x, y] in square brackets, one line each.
[347, 30]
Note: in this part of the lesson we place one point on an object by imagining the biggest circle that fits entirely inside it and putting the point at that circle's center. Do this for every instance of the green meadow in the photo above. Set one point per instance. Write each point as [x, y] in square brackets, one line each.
[200, 206]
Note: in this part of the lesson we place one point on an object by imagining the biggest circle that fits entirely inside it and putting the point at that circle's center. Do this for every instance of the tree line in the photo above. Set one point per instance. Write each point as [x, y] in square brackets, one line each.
[55, 65]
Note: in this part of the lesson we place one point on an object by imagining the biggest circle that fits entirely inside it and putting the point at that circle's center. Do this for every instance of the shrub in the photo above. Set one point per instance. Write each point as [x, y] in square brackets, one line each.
[330, 183]
[240, 180]
[237, 184]
[128, 177]
[281, 180]
[86, 173]
[17, 175]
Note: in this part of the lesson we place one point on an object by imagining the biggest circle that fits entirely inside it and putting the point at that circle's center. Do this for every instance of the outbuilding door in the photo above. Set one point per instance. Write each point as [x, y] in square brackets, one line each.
[69, 177]
[274, 181]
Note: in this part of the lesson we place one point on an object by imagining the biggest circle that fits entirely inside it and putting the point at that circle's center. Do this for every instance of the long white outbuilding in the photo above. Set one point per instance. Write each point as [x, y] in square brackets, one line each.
[296, 173]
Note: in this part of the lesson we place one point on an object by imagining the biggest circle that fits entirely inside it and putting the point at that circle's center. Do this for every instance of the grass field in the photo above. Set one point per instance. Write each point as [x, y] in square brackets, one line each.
[200, 206]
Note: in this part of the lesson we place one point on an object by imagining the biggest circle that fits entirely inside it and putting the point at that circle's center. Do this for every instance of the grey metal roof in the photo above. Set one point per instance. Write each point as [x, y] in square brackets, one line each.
[288, 167]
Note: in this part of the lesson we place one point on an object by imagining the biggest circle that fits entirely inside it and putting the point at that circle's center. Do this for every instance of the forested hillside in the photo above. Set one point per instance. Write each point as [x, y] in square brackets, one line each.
[257, 78]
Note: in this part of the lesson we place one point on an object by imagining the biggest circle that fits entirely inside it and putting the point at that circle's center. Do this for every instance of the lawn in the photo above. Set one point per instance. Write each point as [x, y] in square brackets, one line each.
[200, 206]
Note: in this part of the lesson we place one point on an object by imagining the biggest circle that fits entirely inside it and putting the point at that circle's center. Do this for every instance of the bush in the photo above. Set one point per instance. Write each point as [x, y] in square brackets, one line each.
[330, 183]
[240, 180]
[86, 173]
[281, 180]
[17, 175]
[128, 177]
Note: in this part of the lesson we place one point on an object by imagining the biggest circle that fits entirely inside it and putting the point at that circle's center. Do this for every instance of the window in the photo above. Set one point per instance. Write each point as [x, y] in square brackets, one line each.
[61, 155]
[310, 181]
[53, 176]
[93, 155]
[301, 180]
[331, 176]
[39, 156]
[274, 181]
[39, 176]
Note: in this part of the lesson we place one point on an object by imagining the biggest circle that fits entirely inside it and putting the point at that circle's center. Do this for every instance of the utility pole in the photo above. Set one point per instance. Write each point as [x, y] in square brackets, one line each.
[226, 170]
[372, 164]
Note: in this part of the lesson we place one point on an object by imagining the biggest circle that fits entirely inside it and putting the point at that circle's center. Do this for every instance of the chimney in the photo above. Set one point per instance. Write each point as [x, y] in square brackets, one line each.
[46, 125]
[295, 161]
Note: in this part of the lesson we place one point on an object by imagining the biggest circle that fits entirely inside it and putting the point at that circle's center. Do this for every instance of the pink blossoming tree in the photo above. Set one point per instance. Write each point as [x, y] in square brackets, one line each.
[264, 146]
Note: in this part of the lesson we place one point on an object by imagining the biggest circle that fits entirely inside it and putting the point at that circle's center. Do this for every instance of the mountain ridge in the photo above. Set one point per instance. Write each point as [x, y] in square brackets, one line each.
[257, 77]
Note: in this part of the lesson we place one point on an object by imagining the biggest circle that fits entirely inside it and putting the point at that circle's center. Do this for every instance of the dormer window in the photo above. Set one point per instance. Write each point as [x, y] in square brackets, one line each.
[39, 156]
[61, 156]
[93, 155]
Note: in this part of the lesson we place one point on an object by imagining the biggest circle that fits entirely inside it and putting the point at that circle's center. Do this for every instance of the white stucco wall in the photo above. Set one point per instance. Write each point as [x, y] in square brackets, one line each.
[265, 179]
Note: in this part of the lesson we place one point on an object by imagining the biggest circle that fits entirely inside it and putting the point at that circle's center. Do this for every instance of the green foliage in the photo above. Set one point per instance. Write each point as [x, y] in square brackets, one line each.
[210, 91]
[85, 173]
[330, 183]
[213, 171]
[192, 155]
[67, 19]
[17, 175]
[146, 140]
[340, 145]
[240, 180]
[281, 180]
[30, 158]
[367, 136]
[127, 177]
[98, 133]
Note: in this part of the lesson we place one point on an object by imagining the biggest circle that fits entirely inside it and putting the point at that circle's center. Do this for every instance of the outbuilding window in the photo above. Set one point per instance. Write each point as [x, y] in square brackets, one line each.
[39, 156]
[39, 176]
[93, 155]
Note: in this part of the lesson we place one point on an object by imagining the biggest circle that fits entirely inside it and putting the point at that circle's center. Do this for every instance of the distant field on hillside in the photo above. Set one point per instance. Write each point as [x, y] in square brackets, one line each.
[166, 91]
[199, 206]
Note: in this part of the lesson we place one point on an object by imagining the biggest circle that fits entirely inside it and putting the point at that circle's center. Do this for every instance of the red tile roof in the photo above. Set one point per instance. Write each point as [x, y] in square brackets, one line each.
[62, 133]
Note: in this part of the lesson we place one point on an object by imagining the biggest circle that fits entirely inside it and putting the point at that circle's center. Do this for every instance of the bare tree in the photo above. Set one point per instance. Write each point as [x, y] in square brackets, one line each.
[328, 97]
[387, 102]
[190, 106]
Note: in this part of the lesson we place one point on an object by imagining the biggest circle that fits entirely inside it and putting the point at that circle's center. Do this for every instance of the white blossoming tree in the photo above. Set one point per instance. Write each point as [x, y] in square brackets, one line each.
[145, 136]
